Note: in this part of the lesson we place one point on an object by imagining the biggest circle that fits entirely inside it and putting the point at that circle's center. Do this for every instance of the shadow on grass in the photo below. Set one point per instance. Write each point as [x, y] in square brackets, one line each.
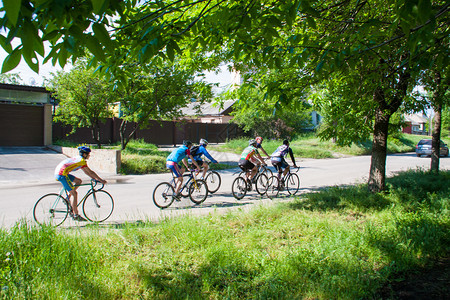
[410, 189]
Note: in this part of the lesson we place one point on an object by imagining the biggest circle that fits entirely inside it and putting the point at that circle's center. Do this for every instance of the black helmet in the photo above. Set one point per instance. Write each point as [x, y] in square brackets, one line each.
[285, 142]
[84, 149]
[252, 142]
[187, 143]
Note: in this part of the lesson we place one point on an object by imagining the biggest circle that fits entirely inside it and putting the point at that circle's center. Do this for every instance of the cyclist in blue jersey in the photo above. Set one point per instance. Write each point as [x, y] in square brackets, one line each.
[278, 160]
[173, 160]
[197, 152]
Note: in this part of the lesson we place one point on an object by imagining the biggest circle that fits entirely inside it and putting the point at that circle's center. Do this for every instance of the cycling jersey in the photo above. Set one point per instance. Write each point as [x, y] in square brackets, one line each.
[249, 152]
[280, 153]
[178, 154]
[202, 151]
[69, 165]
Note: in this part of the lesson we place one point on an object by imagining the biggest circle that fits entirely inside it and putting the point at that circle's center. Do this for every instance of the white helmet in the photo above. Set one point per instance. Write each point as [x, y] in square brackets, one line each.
[203, 142]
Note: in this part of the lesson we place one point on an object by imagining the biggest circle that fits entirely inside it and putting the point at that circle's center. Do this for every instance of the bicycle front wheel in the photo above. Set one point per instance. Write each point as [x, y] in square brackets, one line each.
[51, 209]
[261, 184]
[239, 188]
[198, 191]
[98, 206]
[292, 183]
[213, 181]
[163, 195]
[266, 171]
[273, 187]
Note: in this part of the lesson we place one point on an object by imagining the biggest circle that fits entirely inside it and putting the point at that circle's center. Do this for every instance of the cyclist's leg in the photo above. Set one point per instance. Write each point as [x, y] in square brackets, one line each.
[177, 174]
[205, 167]
[284, 165]
[70, 183]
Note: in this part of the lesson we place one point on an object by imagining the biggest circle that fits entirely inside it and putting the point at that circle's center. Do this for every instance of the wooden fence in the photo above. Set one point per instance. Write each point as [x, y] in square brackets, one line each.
[158, 133]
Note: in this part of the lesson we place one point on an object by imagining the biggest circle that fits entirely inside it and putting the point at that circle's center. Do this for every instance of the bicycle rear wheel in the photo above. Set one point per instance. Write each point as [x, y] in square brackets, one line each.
[239, 188]
[213, 181]
[273, 187]
[98, 206]
[292, 183]
[261, 183]
[51, 209]
[198, 191]
[163, 195]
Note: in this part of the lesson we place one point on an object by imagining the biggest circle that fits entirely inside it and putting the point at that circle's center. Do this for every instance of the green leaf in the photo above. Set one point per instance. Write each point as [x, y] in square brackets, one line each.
[32, 61]
[12, 60]
[12, 8]
[102, 34]
[170, 52]
[97, 5]
[5, 45]
[95, 48]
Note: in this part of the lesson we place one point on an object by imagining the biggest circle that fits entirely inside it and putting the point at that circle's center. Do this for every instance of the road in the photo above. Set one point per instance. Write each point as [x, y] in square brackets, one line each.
[20, 187]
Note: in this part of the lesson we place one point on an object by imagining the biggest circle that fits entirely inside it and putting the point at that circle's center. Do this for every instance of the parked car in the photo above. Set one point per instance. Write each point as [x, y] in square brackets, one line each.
[424, 148]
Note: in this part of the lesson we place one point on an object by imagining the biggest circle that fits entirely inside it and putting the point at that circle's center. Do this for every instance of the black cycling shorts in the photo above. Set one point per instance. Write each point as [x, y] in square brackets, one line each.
[245, 165]
[279, 164]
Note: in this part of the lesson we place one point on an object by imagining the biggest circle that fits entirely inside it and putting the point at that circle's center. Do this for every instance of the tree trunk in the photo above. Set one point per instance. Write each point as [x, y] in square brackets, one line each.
[95, 129]
[377, 176]
[436, 103]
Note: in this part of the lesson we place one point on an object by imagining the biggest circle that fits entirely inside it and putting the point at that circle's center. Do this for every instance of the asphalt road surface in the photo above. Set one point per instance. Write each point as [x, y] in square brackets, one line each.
[27, 173]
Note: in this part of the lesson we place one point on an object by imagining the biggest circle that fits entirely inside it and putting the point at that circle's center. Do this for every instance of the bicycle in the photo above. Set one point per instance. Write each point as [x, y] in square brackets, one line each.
[240, 186]
[196, 189]
[212, 179]
[53, 209]
[290, 182]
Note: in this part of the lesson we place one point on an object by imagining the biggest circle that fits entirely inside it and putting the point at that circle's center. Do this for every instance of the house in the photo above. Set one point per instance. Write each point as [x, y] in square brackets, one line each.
[415, 124]
[214, 113]
[26, 115]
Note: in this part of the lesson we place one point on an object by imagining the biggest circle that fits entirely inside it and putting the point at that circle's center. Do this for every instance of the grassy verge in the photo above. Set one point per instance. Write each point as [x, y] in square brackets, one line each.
[309, 146]
[340, 243]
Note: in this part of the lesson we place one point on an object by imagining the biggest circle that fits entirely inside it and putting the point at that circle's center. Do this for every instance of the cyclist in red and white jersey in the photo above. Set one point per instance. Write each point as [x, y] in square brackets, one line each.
[70, 182]
[250, 158]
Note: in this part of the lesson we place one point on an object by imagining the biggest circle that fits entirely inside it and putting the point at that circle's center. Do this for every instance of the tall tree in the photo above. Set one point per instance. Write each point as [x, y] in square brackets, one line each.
[156, 93]
[388, 38]
[84, 97]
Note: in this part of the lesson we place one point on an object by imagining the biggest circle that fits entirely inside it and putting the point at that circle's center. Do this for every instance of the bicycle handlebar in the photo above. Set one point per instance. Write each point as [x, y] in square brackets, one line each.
[94, 183]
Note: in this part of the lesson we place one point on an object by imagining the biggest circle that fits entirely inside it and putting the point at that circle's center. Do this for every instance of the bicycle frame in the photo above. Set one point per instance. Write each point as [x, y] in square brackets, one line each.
[92, 185]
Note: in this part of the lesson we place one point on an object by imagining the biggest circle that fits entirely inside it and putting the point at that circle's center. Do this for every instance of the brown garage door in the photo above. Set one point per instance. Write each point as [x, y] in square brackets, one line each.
[21, 125]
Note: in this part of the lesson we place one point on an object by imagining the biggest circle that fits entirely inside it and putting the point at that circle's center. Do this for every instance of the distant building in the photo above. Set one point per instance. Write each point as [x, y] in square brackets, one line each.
[208, 112]
[26, 115]
[415, 124]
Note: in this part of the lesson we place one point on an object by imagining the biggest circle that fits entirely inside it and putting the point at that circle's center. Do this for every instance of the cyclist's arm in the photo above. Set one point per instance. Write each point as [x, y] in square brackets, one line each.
[93, 175]
[259, 157]
[264, 151]
[208, 156]
[291, 154]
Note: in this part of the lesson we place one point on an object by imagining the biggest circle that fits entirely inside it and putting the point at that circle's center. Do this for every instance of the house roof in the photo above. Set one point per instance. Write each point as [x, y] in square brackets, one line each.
[23, 94]
[208, 109]
[415, 119]
[28, 88]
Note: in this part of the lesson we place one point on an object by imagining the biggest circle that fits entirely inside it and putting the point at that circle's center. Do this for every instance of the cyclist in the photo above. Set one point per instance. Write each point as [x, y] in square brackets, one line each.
[70, 182]
[279, 162]
[173, 160]
[259, 141]
[197, 152]
[250, 157]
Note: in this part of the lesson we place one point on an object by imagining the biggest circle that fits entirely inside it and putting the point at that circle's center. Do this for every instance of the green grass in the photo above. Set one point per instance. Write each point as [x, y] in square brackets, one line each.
[339, 243]
[310, 146]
